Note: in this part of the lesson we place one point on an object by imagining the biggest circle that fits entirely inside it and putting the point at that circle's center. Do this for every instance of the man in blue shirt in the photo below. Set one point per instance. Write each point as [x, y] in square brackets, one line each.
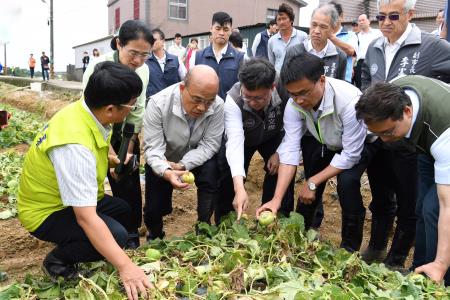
[220, 55]
[165, 68]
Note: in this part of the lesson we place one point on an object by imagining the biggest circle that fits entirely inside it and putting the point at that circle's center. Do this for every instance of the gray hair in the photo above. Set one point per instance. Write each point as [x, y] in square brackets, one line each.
[328, 10]
[409, 4]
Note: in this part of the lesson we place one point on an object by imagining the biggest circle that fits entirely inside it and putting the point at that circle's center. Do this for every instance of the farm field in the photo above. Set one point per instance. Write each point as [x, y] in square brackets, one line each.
[237, 261]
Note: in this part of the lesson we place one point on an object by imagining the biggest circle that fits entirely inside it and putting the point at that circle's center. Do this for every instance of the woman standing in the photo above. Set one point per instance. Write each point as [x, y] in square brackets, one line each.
[131, 47]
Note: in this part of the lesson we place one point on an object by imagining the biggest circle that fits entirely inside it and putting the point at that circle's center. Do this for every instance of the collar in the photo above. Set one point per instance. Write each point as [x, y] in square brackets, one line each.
[178, 109]
[229, 52]
[309, 48]
[413, 38]
[341, 31]
[222, 52]
[401, 39]
[294, 33]
[104, 130]
[415, 106]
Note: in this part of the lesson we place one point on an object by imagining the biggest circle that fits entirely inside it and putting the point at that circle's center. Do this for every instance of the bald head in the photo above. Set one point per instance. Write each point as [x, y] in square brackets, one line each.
[363, 22]
[199, 90]
[202, 76]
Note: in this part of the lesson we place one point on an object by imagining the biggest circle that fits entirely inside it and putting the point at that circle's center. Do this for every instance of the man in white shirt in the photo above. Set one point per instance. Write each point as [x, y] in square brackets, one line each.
[321, 123]
[365, 37]
[416, 108]
[177, 48]
[253, 122]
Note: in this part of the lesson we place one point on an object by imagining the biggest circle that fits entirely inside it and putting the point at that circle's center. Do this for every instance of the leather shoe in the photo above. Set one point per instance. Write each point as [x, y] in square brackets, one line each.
[55, 267]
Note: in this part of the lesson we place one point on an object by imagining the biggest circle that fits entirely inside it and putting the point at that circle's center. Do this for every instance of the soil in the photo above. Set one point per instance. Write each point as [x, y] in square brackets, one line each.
[20, 253]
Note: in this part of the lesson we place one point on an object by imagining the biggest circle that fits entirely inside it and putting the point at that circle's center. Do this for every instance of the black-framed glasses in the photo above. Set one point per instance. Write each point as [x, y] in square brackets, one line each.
[249, 99]
[392, 17]
[198, 101]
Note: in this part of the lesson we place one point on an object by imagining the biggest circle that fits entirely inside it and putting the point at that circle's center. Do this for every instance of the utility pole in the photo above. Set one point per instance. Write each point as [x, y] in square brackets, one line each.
[52, 73]
[50, 23]
[6, 66]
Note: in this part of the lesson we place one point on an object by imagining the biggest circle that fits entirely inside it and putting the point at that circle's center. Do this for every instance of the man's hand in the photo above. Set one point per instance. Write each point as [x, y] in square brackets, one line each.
[435, 270]
[134, 281]
[273, 163]
[306, 196]
[176, 166]
[173, 177]
[273, 205]
[240, 202]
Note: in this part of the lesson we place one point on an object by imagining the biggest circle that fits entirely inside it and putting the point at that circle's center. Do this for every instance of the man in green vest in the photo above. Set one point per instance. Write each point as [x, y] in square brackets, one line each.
[417, 108]
[61, 195]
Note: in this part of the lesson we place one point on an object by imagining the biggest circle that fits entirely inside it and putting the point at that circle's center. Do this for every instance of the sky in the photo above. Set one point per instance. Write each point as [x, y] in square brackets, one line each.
[23, 24]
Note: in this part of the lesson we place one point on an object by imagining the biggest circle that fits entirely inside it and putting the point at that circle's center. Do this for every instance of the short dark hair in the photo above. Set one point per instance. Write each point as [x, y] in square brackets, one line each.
[194, 40]
[287, 9]
[132, 30]
[382, 101]
[160, 32]
[338, 7]
[236, 39]
[111, 83]
[177, 35]
[271, 23]
[257, 73]
[221, 18]
[300, 66]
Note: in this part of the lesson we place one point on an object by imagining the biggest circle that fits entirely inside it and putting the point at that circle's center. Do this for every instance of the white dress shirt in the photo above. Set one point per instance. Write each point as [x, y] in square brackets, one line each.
[391, 49]
[310, 49]
[365, 38]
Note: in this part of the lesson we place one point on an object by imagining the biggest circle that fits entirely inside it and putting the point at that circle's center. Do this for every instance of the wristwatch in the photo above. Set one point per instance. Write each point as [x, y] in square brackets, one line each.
[311, 185]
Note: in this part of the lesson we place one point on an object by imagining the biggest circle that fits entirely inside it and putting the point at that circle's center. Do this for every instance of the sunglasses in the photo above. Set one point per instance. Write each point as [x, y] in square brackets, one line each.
[392, 17]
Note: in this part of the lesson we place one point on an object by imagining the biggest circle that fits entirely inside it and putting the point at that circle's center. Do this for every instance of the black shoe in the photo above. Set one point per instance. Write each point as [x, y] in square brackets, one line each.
[151, 236]
[133, 241]
[379, 234]
[401, 244]
[55, 267]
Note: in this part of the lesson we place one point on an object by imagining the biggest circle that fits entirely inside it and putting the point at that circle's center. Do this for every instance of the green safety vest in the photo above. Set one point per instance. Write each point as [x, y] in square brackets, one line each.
[433, 117]
[39, 194]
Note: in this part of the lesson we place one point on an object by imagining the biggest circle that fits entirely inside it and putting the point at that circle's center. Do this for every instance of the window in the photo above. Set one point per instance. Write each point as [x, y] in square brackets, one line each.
[203, 41]
[136, 9]
[271, 14]
[178, 9]
[117, 19]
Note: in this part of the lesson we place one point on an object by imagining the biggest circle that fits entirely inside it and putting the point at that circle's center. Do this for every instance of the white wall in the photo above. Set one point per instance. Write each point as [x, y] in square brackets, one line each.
[103, 46]
[306, 12]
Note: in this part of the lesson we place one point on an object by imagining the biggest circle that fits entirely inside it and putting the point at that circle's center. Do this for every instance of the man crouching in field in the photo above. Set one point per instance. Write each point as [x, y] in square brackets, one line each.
[61, 194]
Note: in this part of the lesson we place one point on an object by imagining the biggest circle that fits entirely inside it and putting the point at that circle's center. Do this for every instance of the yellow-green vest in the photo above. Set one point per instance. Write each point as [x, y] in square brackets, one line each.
[39, 194]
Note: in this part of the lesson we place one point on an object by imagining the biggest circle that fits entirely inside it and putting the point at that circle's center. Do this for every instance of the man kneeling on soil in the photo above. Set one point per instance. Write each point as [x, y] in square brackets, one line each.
[320, 120]
[183, 127]
[416, 108]
[61, 194]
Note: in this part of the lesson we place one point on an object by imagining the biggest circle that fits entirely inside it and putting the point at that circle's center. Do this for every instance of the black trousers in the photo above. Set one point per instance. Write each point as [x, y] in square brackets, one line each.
[72, 244]
[394, 184]
[317, 157]
[357, 73]
[226, 187]
[31, 72]
[129, 188]
[158, 194]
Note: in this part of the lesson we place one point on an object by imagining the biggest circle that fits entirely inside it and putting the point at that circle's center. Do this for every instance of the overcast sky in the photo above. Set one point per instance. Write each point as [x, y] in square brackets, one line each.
[23, 23]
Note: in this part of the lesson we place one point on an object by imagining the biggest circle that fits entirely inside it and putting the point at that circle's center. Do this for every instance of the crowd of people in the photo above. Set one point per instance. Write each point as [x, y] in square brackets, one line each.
[337, 102]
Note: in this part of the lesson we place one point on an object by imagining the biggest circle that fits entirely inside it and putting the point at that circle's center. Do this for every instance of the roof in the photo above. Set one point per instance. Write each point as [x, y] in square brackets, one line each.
[94, 41]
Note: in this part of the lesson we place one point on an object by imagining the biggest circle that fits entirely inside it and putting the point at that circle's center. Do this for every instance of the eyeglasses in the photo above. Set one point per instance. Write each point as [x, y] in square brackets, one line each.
[249, 99]
[388, 133]
[198, 101]
[392, 17]
[131, 107]
[134, 53]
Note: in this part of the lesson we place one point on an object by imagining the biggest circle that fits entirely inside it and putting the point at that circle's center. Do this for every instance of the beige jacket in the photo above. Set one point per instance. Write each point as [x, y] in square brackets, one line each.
[167, 136]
